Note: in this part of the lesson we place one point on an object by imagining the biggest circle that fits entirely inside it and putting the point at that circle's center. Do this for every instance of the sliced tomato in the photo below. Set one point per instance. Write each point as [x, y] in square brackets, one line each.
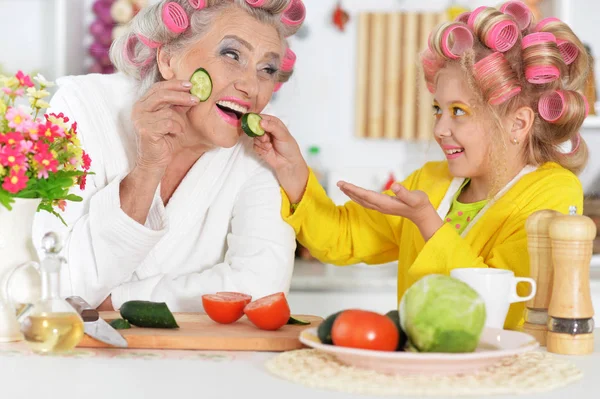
[364, 329]
[236, 295]
[270, 312]
[223, 307]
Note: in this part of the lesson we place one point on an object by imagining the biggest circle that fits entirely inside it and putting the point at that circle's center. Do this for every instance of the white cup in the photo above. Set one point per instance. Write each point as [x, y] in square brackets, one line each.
[497, 287]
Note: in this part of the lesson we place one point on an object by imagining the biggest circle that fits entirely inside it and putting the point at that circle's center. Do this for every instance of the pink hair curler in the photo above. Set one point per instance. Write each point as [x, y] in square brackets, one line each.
[473, 16]
[542, 24]
[460, 41]
[147, 42]
[277, 87]
[485, 68]
[542, 74]
[519, 11]
[197, 4]
[587, 105]
[503, 36]
[464, 17]
[256, 3]
[575, 146]
[289, 59]
[294, 14]
[174, 17]
[537, 38]
[568, 51]
[128, 52]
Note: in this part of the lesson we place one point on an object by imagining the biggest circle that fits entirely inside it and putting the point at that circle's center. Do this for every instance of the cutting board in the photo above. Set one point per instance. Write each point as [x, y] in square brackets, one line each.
[197, 331]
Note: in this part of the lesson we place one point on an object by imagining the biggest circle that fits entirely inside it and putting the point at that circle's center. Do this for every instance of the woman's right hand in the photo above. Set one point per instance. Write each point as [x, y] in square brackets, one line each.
[159, 124]
[279, 149]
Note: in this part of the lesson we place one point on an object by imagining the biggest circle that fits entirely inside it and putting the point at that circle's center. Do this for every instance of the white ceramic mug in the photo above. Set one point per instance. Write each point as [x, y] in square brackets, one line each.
[497, 287]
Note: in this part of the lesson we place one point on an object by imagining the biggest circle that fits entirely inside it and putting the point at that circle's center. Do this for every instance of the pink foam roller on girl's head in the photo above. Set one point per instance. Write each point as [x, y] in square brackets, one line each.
[174, 17]
[503, 36]
[463, 40]
[487, 63]
[505, 97]
[568, 51]
[575, 146]
[289, 59]
[294, 14]
[545, 22]
[542, 74]
[197, 4]
[537, 38]
[147, 42]
[551, 106]
[464, 17]
[519, 11]
[473, 16]
[256, 3]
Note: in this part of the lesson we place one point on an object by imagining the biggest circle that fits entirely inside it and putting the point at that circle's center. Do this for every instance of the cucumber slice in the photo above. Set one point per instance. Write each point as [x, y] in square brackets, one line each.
[148, 314]
[297, 321]
[201, 84]
[120, 324]
[251, 125]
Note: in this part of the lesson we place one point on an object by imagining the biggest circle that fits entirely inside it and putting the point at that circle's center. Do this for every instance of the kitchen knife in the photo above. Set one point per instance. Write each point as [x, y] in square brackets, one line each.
[94, 326]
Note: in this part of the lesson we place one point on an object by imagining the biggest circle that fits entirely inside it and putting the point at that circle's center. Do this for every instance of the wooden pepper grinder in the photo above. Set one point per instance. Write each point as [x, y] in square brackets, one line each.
[542, 271]
[570, 323]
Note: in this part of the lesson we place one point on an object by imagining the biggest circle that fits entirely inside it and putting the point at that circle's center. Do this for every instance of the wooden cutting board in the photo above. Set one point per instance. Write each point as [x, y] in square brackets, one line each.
[197, 331]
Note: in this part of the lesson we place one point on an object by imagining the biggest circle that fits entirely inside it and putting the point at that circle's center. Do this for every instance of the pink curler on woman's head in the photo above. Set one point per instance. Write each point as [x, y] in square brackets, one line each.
[575, 146]
[129, 51]
[484, 72]
[473, 16]
[256, 3]
[552, 106]
[294, 14]
[537, 38]
[289, 59]
[545, 22]
[464, 17]
[503, 36]
[568, 51]
[519, 11]
[456, 39]
[542, 74]
[147, 42]
[197, 4]
[174, 17]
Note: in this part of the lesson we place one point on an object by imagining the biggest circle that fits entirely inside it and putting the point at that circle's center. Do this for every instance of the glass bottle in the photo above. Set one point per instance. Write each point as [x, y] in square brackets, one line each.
[52, 325]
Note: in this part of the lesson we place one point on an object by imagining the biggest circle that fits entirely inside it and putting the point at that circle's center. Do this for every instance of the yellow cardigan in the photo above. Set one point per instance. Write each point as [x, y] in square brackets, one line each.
[348, 234]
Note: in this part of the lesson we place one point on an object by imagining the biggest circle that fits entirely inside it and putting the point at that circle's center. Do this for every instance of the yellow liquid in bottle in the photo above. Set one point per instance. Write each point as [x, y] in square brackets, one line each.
[54, 332]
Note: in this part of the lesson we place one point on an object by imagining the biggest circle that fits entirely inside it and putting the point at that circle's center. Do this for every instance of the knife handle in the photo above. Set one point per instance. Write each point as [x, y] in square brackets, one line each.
[84, 309]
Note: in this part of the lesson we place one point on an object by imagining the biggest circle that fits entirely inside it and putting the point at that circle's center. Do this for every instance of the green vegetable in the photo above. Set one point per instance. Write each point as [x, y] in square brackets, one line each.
[324, 330]
[251, 125]
[148, 314]
[395, 316]
[120, 324]
[442, 314]
[297, 321]
[201, 84]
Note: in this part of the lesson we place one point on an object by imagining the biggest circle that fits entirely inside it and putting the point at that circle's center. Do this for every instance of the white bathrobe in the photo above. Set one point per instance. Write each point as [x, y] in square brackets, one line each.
[220, 231]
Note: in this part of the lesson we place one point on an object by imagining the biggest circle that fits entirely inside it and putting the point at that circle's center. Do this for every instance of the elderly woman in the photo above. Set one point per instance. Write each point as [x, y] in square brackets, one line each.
[179, 204]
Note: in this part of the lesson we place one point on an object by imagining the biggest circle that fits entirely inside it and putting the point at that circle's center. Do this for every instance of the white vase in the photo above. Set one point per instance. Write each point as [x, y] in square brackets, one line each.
[20, 281]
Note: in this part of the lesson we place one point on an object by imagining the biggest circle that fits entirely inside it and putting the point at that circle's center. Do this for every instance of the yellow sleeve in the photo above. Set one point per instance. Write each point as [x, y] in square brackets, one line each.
[342, 235]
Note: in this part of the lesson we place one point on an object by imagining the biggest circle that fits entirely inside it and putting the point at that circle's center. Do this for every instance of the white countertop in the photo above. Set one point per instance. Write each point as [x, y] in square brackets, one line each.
[226, 375]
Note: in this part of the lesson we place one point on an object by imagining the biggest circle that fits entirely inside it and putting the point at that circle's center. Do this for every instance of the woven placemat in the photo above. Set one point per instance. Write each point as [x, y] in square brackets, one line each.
[523, 374]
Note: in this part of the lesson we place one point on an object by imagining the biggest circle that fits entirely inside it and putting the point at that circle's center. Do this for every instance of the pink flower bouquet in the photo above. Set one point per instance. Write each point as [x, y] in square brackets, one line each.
[40, 154]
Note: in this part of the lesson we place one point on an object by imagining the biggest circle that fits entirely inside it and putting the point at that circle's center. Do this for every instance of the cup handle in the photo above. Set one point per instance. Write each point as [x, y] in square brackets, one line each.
[515, 296]
[35, 265]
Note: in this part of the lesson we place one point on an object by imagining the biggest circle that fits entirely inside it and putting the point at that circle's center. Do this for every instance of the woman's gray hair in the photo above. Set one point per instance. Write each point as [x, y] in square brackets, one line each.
[130, 55]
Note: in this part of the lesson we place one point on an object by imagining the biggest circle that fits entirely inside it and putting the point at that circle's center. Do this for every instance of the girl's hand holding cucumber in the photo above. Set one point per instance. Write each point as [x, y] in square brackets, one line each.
[279, 149]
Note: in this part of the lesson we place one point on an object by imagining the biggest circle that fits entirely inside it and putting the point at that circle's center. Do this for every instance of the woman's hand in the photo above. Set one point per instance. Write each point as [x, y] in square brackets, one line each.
[159, 124]
[413, 205]
[280, 150]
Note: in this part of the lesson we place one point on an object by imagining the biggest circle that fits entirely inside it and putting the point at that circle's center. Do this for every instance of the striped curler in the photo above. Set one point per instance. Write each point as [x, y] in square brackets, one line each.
[456, 38]
[540, 74]
[197, 4]
[174, 17]
[519, 11]
[147, 42]
[289, 59]
[501, 36]
[544, 22]
[554, 106]
[496, 78]
[256, 3]
[430, 67]
[294, 14]
[464, 17]
[568, 51]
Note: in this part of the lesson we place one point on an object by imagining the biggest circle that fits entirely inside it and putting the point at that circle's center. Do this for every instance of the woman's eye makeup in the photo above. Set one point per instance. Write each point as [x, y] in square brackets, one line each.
[456, 110]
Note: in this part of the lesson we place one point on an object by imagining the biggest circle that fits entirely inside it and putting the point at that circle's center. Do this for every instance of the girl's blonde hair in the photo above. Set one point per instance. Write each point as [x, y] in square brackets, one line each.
[134, 52]
[512, 62]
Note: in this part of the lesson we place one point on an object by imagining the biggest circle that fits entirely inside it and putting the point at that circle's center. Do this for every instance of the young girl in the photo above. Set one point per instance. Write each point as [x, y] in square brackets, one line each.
[507, 102]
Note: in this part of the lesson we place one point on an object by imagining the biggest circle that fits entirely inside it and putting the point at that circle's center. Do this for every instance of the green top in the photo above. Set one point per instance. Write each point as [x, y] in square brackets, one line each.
[460, 215]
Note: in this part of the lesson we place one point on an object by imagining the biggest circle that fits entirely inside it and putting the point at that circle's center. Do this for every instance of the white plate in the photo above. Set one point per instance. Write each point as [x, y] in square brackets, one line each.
[494, 345]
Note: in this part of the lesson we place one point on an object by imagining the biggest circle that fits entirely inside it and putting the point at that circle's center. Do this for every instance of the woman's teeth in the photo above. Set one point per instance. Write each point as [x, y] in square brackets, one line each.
[233, 106]
[454, 151]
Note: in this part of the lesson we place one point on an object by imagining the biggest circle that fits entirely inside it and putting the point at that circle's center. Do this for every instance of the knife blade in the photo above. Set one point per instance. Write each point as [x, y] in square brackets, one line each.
[94, 326]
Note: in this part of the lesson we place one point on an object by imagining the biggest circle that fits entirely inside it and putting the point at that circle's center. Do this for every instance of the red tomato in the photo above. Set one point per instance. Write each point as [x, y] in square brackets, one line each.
[270, 312]
[225, 308]
[365, 330]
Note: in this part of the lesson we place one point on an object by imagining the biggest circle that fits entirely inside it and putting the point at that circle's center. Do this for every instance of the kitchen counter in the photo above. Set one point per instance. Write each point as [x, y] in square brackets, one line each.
[183, 374]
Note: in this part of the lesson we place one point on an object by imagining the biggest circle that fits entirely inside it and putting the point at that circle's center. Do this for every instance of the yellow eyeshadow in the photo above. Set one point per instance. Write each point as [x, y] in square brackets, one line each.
[462, 107]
